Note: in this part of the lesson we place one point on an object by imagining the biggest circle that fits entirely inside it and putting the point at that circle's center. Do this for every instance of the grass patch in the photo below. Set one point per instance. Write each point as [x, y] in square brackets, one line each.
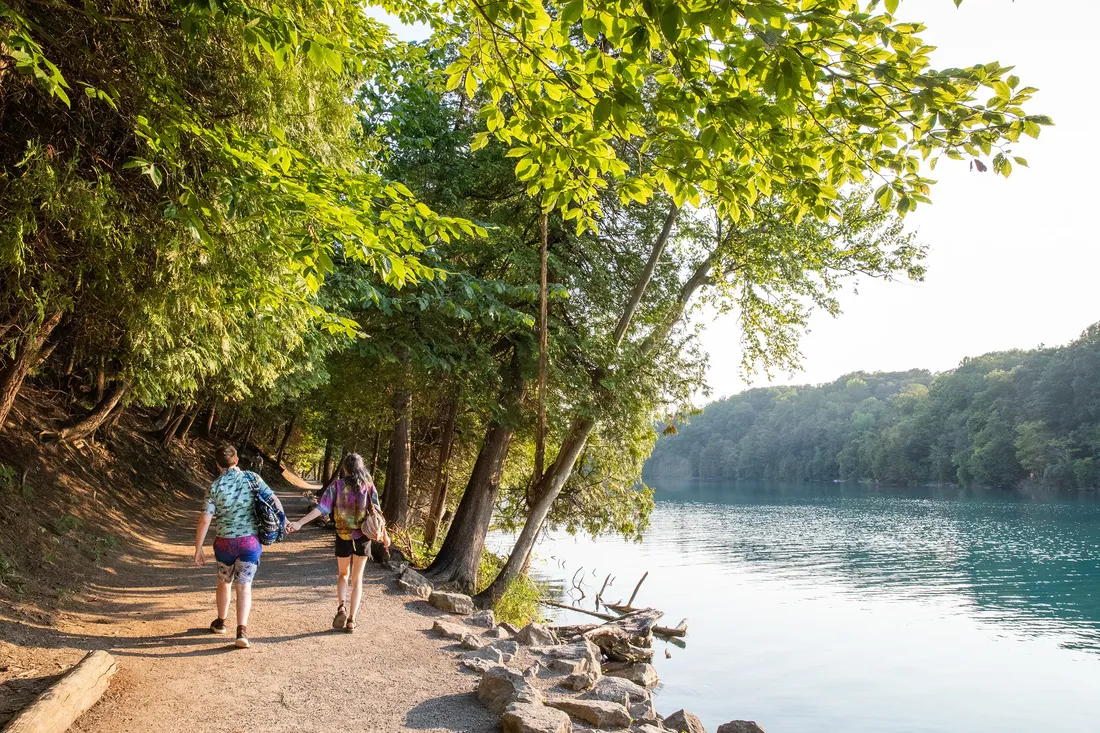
[520, 603]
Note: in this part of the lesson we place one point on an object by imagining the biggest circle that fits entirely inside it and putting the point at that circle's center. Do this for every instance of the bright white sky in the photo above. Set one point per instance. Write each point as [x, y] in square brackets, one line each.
[1013, 262]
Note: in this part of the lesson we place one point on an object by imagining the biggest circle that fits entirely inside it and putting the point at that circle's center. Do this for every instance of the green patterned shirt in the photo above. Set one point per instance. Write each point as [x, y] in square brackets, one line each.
[230, 500]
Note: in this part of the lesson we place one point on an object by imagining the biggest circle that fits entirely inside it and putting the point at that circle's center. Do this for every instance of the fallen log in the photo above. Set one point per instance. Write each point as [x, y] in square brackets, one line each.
[68, 698]
[632, 618]
[618, 645]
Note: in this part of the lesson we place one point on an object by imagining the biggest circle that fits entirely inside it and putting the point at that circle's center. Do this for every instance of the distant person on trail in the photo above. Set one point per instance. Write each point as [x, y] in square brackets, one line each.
[229, 503]
[349, 500]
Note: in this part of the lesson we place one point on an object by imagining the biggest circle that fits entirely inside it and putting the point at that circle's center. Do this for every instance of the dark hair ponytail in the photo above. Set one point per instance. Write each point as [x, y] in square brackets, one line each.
[355, 472]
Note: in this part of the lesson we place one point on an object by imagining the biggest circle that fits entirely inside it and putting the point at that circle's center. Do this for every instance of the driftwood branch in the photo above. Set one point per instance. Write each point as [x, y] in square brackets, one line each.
[59, 706]
[665, 631]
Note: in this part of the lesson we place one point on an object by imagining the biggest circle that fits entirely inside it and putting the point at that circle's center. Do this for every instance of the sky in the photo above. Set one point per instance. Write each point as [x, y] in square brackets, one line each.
[1013, 263]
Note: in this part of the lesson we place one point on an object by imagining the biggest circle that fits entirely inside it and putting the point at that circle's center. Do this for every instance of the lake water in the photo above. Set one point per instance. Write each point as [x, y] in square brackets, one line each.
[857, 609]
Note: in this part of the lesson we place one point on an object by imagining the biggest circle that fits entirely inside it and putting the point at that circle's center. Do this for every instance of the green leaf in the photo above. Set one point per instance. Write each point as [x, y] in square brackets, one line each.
[670, 22]
[602, 112]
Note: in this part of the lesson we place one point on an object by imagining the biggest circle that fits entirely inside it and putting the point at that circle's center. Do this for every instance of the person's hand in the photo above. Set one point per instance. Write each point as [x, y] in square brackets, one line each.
[200, 557]
[293, 527]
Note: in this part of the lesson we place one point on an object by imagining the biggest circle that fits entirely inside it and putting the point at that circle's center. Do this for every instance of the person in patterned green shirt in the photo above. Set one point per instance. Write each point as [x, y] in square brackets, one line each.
[229, 504]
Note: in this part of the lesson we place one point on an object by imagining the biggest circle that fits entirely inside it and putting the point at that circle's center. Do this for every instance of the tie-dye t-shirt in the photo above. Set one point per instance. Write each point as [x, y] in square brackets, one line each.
[348, 507]
[229, 499]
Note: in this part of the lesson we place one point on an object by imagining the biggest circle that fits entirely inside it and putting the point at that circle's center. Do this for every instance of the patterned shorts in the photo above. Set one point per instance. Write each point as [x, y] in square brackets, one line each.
[238, 558]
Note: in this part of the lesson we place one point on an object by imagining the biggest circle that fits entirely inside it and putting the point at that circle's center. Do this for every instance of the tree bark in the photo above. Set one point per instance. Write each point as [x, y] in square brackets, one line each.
[208, 429]
[374, 454]
[286, 439]
[26, 356]
[164, 416]
[58, 707]
[169, 433]
[544, 344]
[460, 555]
[646, 277]
[326, 464]
[247, 440]
[185, 429]
[546, 492]
[395, 497]
[439, 498]
[86, 426]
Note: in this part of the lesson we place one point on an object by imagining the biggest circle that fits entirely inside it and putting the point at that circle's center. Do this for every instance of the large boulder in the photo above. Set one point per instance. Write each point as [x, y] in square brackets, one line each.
[640, 673]
[449, 631]
[497, 632]
[684, 722]
[616, 689]
[452, 602]
[510, 628]
[577, 657]
[600, 713]
[498, 652]
[501, 687]
[647, 728]
[414, 583]
[522, 717]
[486, 619]
[536, 635]
[480, 666]
[740, 726]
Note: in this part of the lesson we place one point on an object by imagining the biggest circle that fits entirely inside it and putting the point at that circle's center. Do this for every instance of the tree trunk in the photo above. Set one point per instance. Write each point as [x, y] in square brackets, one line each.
[170, 430]
[100, 382]
[231, 428]
[87, 425]
[460, 555]
[374, 454]
[546, 492]
[164, 416]
[439, 498]
[247, 440]
[544, 344]
[326, 464]
[646, 276]
[185, 429]
[395, 498]
[286, 439]
[26, 356]
[208, 429]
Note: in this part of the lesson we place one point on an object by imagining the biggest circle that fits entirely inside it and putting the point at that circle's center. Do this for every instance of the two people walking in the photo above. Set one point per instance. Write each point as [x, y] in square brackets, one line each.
[229, 503]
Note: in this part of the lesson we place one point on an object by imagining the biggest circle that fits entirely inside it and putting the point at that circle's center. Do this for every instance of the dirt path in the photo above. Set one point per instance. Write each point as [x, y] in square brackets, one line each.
[391, 675]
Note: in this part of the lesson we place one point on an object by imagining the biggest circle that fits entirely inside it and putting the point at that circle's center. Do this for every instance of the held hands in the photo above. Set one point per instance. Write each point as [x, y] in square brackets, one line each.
[293, 527]
[200, 557]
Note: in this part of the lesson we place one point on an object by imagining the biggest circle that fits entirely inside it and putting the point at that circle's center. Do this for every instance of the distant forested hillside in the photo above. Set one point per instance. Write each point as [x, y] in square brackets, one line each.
[995, 420]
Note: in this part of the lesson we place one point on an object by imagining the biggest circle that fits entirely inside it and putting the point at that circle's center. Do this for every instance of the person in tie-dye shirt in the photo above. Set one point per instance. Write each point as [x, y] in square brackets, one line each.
[349, 500]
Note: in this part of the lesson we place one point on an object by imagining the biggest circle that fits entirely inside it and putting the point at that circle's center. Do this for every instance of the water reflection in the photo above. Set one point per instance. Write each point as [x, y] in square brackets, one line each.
[1027, 562]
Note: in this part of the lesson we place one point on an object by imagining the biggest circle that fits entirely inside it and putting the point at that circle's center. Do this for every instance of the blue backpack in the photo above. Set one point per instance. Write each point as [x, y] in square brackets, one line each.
[270, 522]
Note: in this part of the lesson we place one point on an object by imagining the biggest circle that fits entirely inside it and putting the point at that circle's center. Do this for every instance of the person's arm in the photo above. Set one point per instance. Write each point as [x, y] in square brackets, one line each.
[295, 526]
[200, 538]
[265, 491]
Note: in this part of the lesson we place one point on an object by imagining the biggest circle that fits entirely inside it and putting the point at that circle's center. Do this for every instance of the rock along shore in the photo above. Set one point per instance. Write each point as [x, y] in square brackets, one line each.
[537, 681]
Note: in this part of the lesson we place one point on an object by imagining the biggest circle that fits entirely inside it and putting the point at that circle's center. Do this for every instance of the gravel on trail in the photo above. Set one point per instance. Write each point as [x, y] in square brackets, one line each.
[392, 674]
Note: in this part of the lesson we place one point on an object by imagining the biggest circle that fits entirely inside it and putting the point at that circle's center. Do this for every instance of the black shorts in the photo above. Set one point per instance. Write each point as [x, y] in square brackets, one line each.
[345, 548]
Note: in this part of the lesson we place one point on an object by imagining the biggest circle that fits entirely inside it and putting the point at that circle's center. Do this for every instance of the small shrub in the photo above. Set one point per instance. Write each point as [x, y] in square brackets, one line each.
[520, 603]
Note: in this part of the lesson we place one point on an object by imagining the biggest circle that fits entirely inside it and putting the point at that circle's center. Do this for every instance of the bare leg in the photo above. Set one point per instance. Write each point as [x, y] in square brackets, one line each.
[222, 595]
[244, 603]
[358, 563]
[343, 565]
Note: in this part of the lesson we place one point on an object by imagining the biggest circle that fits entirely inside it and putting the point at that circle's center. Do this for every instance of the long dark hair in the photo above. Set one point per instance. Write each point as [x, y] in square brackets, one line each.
[355, 472]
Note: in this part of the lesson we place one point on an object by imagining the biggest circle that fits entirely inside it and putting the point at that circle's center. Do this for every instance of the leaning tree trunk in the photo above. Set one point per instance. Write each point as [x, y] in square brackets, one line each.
[208, 429]
[26, 356]
[546, 491]
[286, 439]
[460, 555]
[395, 497]
[185, 429]
[439, 498]
[169, 433]
[374, 453]
[326, 463]
[164, 416]
[87, 425]
[247, 439]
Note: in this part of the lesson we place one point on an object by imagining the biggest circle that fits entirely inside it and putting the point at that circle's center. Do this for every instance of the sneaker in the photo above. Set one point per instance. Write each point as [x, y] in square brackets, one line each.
[341, 617]
[218, 627]
[242, 637]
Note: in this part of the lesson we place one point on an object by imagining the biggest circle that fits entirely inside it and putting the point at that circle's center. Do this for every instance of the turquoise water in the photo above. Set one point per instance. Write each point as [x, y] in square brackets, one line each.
[856, 609]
